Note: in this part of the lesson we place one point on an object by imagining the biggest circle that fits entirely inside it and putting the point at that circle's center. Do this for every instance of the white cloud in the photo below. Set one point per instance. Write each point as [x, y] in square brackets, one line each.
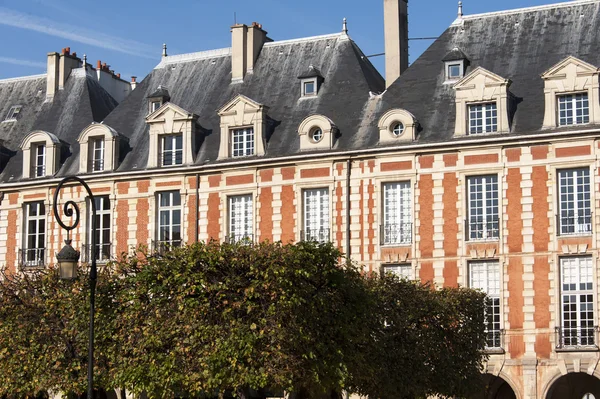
[16, 61]
[46, 26]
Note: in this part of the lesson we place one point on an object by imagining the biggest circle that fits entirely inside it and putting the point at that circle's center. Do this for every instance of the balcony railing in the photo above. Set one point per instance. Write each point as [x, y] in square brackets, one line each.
[38, 171]
[32, 257]
[103, 253]
[171, 159]
[495, 340]
[318, 235]
[96, 165]
[162, 247]
[396, 234]
[574, 225]
[476, 229]
[239, 238]
[574, 338]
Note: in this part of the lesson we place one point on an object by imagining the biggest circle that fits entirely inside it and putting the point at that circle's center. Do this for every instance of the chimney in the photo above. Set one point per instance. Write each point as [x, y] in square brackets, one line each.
[52, 75]
[396, 39]
[67, 63]
[133, 82]
[257, 37]
[246, 44]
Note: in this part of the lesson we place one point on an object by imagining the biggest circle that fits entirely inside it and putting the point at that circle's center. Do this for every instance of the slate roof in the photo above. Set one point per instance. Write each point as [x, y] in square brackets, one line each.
[82, 102]
[519, 45]
[201, 84]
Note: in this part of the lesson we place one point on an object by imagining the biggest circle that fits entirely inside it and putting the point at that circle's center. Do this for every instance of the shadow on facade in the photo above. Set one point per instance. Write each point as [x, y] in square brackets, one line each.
[495, 388]
[575, 386]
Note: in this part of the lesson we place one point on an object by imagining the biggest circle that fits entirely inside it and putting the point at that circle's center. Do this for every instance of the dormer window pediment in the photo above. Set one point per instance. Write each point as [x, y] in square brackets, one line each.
[172, 136]
[310, 82]
[571, 93]
[482, 103]
[41, 154]
[243, 128]
[455, 65]
[99, 148]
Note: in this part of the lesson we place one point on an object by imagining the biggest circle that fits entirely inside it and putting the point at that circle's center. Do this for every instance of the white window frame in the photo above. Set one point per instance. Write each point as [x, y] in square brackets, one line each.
[172, 208]
[316, 215]
[574, 201]
[103, 212]
[34, 255]
[241, 218]
[402, 270]
[13, 113]
[97, 151]
[485, 276]
[243, 142]
[577, 302]
[449, 65]
[486, 123]
[175, 153]
[154, 105]
[39, 160]
[397, 224]
[483, 208]
[573, 103]
[314, 82]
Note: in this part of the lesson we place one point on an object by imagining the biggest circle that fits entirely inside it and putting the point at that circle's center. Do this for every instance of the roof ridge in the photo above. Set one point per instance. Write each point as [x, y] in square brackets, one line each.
[199, 55]
[23, 78]
[306, 39]
[564, 4]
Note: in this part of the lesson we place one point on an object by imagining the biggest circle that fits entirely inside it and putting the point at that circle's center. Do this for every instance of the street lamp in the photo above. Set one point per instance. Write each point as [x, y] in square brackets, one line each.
[68, 259]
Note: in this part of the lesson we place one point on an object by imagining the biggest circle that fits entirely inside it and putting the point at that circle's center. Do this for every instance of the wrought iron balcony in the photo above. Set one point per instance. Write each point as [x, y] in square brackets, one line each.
[575, 224]
[162, 247]
[96, 165]
[319, 235]
[32, 257]
[396, 234]
[495, 340]
[477, 229]
[103, 253]
[169, 158]
[241, 238]
[577, 338]
[38, 171]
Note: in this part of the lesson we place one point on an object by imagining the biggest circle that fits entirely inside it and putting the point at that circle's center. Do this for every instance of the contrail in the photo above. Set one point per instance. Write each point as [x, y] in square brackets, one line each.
[17, 19]
[16, 61]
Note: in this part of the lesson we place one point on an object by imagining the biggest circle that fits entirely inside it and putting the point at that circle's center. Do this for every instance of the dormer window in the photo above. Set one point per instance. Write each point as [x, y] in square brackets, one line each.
[317, 132]
[397, 125]
[483, 118]
[455, 64]
[99, 148]
[13, 113]
[242, 142]
[159, 97]
[172, 149]
[573, 109]
[243, 128]
[41, 154]
[311, 81]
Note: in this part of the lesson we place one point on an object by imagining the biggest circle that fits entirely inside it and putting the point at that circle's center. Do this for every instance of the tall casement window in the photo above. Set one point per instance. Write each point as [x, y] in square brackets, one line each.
[316, 214]
[242, 142]
[485, 276]
[240, 218]
[102, 249]
[34, 253]
[97, 154]
[573, 109]
[38, 161]
[172, 149]
[483, 221]
[483, 118]
[397, 213]
[577, 300]
[575, 206]
[169, 219]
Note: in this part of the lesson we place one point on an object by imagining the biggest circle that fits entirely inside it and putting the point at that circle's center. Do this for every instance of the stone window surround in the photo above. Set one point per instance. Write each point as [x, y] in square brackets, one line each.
[53, 146]
[571, 76]
[312, 123]
[315, 82]
[461, 74]
[390, 119]
[482, 86]
[314, 184]
[111, 147]
[242, 112]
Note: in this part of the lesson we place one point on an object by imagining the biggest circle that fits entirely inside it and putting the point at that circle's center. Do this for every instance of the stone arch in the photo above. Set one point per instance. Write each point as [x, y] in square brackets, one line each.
[498, 386]
[572, 386]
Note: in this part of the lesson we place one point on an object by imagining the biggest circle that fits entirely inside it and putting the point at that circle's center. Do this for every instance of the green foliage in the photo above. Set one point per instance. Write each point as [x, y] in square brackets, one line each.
[211, 318]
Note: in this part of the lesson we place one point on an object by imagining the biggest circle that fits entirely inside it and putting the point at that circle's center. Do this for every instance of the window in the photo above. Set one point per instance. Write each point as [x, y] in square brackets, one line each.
[240, 218]
[316, 214]
[242, 143]
[172, 149]
[404, 270]
[573, 109]
[454, 71]
[97, 158]
[575, 211]
[102, 249]
[169, 219]
[154, 105]
[483, 221]
[309, 88]
[39, 160]
[485, 276]
[316, 135]
[35, 235]
[398, 129]
[13, 113]
[397, 213]
[483, 118]
[577, 300]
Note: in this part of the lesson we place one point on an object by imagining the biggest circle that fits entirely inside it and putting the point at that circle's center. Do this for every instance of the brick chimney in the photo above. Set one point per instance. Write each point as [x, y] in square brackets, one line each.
[396, 39]
[246, 45]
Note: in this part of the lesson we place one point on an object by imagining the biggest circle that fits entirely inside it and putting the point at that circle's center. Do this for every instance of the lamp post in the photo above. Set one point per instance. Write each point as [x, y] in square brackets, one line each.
[68, 259]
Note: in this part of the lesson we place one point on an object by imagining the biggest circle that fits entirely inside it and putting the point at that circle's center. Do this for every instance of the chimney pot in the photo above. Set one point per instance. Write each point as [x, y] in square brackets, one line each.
[68, 50]
[119, 75]
[99, 65]
[133, 79]
[75, 55]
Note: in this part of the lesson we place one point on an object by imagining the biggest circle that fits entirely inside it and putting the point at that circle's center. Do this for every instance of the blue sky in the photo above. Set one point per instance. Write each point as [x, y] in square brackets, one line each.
[128, 34]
